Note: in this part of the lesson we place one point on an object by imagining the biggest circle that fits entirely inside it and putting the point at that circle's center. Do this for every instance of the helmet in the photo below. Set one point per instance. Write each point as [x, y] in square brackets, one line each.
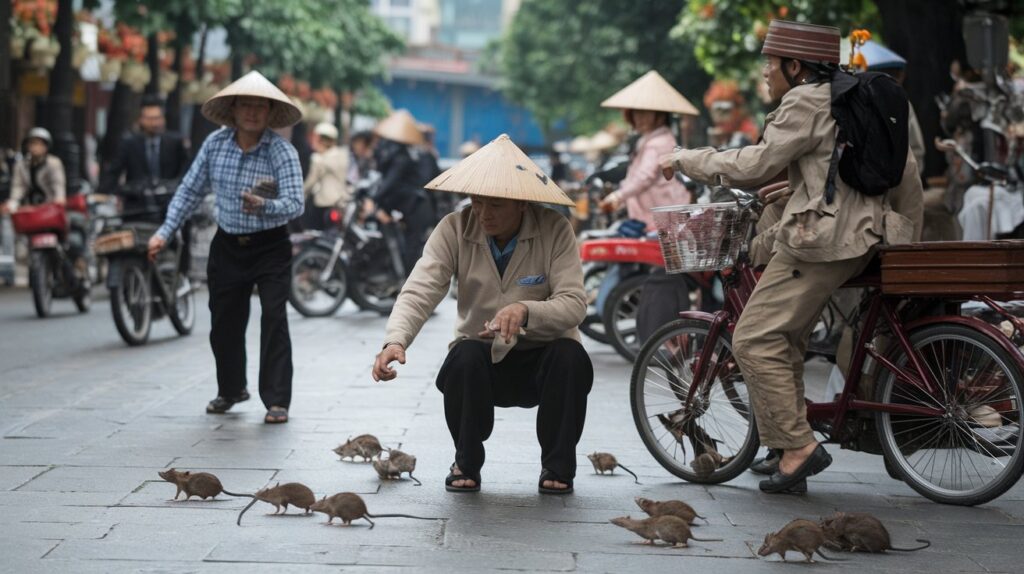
[326, 130]
[40, 134]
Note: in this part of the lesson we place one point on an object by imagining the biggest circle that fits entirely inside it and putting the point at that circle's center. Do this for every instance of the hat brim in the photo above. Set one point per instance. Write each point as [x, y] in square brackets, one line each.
[220, 110]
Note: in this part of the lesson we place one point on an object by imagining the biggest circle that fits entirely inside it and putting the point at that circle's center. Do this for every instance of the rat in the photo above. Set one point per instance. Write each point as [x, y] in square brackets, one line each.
[396, 463]
[860, 532]
[801, 535]
[294, 493]
[365, 446]
[706, 464]
[671, 529]
[201, 484]
[676, 508]
[604, 461]
[349, 506]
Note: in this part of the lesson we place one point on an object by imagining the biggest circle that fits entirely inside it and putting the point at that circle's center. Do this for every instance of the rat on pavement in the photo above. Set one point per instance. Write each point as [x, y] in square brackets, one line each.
[800, 535]
[365, 446]
[668, 508]
[860, 532]
[281, 495]
[349, 506]
[606, 462]
[670, 529]
[396, 463]
[201, 484]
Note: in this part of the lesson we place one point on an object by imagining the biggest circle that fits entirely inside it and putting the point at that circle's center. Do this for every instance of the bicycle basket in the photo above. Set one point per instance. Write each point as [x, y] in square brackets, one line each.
[701, 237]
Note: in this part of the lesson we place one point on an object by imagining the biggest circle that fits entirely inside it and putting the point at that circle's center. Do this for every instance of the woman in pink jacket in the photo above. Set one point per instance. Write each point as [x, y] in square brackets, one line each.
[647, 104]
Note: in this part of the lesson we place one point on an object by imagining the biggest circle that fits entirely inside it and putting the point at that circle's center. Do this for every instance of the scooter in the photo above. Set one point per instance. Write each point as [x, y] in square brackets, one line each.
[57, 264]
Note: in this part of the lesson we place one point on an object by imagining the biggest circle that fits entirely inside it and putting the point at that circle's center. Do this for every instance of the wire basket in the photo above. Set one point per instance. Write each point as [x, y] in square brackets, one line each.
[701, 237]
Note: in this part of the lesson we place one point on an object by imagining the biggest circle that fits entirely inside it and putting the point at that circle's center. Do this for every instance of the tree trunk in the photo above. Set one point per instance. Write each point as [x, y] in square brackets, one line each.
[7, 135]
[201, 127]
[929, 34]
[124, 104]
[174, 97]
[58, 105]
[153, 63]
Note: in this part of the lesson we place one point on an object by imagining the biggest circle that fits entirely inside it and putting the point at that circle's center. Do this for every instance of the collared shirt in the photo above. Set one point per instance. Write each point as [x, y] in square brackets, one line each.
[502, 256]
[222, 166]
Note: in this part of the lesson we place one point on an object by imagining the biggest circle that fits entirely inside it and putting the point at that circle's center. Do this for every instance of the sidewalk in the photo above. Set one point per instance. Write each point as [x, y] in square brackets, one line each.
[85, 432]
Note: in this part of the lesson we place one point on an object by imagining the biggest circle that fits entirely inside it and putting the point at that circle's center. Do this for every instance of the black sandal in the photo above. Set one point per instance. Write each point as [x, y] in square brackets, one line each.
[452, 477]
[276, 415]
[220, 405]
[546, 474]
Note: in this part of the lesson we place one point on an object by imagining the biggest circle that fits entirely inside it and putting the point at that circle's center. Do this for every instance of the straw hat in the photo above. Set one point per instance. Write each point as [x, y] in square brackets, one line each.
[401, 127]
[602, 141]
[500, 169]
[651, 92]
[579, 144]
[283, 113]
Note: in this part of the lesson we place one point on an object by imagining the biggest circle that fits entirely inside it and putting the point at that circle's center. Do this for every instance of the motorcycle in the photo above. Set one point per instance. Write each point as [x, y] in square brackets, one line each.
[57, 264]
[359, 259]
[142, 291]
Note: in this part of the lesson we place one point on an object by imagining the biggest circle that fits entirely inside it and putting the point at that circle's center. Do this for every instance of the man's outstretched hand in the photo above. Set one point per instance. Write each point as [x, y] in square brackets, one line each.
[382, 370]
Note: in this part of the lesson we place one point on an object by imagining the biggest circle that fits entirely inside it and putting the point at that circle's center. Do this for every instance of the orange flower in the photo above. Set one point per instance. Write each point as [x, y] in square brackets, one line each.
[707, 11]
[783, 11]
[859, 61]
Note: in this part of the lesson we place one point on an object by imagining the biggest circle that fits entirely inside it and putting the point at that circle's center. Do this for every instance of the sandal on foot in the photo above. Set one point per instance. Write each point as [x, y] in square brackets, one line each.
[452, 477]
[276, 415]
[221, 405]
[548, 475]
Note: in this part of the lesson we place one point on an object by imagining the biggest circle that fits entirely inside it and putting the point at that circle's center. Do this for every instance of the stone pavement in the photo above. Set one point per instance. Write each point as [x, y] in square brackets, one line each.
[87, 422]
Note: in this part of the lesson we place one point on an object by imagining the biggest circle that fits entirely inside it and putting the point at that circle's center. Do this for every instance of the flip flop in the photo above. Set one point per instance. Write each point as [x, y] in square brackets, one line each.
[546, 474]
[452, 477]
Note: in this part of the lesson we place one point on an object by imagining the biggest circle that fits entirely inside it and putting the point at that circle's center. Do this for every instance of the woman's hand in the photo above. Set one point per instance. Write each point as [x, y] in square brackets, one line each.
[382, 370]
[507, 322]
[668, 165]
[611, 203]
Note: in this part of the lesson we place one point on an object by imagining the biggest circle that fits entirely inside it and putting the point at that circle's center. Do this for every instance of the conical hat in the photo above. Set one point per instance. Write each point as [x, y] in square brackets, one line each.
[651, 92]
[283, 112]
[602, 141]
[500, 169]
[400, 126]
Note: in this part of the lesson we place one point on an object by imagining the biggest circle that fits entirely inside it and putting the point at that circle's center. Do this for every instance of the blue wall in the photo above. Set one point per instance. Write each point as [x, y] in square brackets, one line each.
[485, 116]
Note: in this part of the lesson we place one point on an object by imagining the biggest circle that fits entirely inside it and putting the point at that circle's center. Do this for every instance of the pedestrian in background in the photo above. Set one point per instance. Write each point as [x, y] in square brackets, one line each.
[255, 176]
[151, 154]
[38, 175]
[326, 185]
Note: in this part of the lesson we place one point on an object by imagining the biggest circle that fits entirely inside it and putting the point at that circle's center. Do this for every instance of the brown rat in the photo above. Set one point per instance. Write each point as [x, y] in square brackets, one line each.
[365, 446]
[605, 461]
[676, 508]
[671, 529]
[294, 493]
[201, 484]
[349, 506]
[800, 535]
[396, 463]
[705, 464]
[860, 532]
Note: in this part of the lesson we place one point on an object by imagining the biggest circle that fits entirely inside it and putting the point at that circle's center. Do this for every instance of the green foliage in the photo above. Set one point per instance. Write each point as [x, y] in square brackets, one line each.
[726, 35]
[561, 58]
[371, 102]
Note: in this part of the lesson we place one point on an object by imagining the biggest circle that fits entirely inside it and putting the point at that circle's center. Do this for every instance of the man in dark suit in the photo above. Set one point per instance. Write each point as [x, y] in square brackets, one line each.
[150, 154]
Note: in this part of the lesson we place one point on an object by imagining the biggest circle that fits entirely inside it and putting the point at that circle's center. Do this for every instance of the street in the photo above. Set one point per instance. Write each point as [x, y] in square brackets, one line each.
[87, 423]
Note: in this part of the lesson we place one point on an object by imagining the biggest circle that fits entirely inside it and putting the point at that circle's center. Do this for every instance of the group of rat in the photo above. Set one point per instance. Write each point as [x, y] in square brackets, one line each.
[668, 521]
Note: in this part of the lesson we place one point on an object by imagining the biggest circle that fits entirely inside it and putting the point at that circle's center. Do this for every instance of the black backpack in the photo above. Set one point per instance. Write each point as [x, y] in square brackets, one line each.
[871, 110]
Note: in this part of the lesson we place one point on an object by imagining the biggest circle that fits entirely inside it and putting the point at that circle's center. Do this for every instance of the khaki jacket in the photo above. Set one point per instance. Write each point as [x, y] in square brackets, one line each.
[799, 136]
[544, 273]
[51, 180]
[327, 179]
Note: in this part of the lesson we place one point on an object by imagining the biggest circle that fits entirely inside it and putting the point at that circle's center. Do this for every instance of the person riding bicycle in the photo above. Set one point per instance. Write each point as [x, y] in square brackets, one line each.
[816, 245]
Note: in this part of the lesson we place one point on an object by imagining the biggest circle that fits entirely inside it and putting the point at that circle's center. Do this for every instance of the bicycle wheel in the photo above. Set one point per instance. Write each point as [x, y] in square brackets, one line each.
[592, 326]
[719, 418]
[972, 453]
[308, 292]
[619, 316]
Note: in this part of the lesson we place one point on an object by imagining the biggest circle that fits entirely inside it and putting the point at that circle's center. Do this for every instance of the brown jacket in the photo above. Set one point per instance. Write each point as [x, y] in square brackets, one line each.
[799, 136]
[326, 182]
[544, 273]
[51, 180]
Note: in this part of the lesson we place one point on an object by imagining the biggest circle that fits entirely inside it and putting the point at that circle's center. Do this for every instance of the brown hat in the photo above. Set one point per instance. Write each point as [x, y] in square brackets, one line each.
[500, 169]
[808, 42]
[283, 112]
[401, 127]
[651, 92]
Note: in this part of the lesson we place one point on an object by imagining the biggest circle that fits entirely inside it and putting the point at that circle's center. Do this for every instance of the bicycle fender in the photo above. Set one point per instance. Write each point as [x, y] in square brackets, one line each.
[972, 323]
[697, 316]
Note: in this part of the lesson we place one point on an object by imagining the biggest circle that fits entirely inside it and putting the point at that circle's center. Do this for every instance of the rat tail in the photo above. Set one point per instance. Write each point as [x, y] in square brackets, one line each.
[400, 516]
[707, 539]
[926, 543]
[418, 483]
[818, 552]
[247, 507]
[238, 495]
[704, 518]
[635, 477]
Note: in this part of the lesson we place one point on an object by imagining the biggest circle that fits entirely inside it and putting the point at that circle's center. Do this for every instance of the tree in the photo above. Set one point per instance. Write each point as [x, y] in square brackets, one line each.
[561, 58]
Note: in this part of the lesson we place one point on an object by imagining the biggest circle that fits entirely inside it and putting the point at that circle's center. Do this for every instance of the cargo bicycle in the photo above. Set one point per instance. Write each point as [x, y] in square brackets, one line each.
[936, 393]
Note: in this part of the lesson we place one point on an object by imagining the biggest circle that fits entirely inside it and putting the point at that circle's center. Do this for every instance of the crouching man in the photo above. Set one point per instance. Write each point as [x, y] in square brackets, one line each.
[520, 301]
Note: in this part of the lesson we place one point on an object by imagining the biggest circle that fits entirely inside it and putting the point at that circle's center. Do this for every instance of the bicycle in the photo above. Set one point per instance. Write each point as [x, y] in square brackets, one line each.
[946, 409]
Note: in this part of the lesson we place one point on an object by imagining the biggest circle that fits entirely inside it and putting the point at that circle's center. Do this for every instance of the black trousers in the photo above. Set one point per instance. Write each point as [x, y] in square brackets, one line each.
[236, 264]
[417, 220]
[556, 378]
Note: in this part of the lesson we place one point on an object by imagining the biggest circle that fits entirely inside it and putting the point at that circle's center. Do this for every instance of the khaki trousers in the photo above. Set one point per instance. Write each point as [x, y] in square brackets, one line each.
[771, 336]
